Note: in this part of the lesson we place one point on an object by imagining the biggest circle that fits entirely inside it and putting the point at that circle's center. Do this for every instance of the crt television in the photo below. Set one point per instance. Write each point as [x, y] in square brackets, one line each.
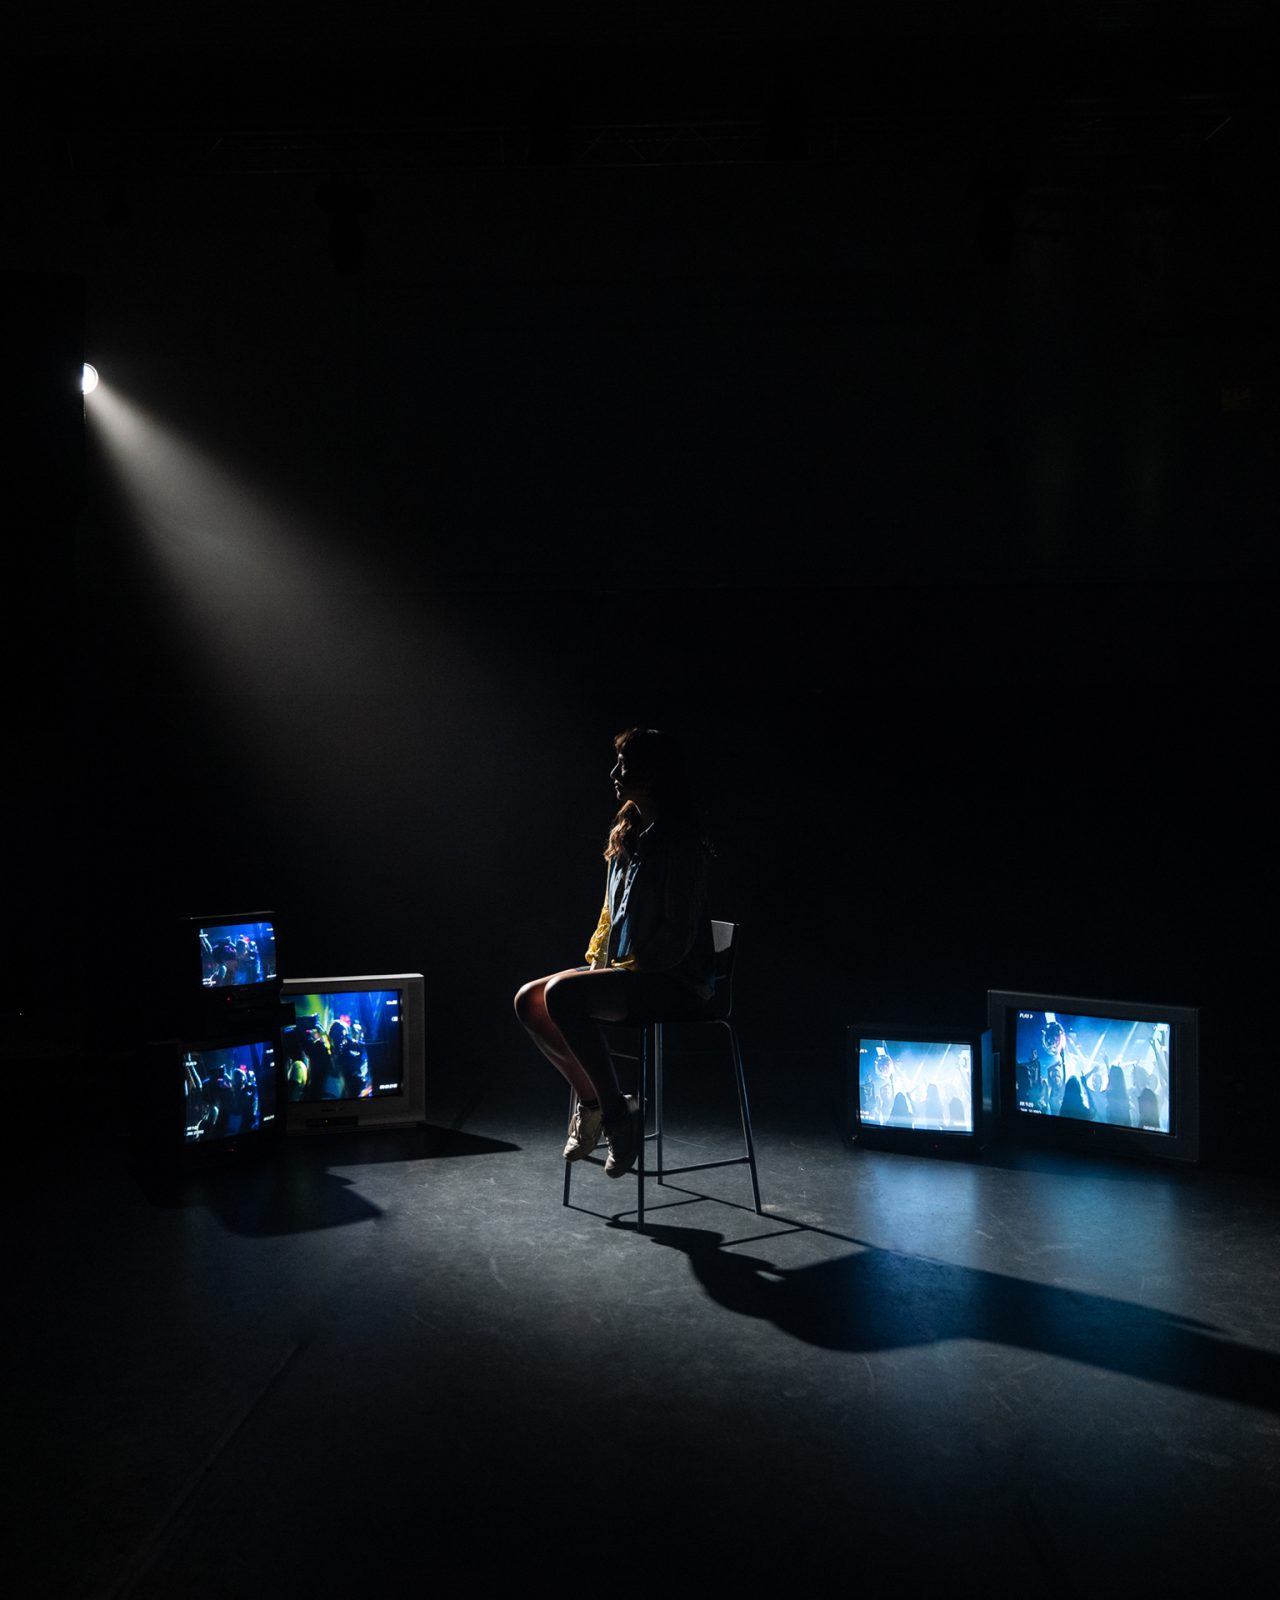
[354, 1052]
[918, 1088]
[1117, 1077]
[229, 964]
[210, 1096]
[229, 1091]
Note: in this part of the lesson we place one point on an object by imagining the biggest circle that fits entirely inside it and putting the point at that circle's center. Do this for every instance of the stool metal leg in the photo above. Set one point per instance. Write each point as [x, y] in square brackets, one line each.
[643, 1098]
[745, 1112]
[656, 1030]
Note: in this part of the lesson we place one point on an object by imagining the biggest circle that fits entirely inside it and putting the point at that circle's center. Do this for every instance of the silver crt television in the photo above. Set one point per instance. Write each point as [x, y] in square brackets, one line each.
[353, 1055]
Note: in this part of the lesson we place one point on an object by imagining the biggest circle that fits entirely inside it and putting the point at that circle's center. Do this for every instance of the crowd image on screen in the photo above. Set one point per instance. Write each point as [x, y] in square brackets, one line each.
[228, 1092]
[344, 1046]
[237, 953]
[1095, 1069]
[916, 1085]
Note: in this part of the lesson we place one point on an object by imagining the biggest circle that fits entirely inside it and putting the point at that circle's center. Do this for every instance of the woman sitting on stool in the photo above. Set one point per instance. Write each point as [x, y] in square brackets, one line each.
[652, 957]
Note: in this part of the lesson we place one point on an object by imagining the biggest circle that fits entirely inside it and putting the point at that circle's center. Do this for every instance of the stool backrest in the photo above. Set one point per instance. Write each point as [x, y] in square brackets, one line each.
[725, 937]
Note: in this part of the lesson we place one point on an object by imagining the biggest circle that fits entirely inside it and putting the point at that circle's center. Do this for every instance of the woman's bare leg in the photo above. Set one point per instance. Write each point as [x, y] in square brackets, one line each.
[562, 1014]
[531, 1012]
[576, 1004]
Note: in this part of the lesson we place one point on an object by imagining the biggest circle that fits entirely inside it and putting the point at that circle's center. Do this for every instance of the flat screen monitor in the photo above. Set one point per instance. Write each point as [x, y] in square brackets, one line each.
[1115, 1076]
[918, 1088]
[354, 1053]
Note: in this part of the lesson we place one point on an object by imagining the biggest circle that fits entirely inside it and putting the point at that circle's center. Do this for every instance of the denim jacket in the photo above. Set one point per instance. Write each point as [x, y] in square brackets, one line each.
[654, 915]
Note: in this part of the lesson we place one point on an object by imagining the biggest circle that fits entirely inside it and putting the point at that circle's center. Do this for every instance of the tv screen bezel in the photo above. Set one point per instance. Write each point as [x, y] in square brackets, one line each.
[386, 1110]
[921, 1141]
[1181, 1143]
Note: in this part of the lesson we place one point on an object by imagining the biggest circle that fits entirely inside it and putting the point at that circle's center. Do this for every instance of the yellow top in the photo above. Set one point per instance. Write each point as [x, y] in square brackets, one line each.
[598, 948]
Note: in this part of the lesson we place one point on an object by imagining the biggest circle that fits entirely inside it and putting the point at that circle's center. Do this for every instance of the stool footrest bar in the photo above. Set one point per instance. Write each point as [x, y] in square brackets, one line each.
[700, 1166]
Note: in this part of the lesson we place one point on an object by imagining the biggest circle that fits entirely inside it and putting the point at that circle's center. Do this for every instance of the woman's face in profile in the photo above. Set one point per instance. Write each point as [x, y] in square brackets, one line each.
[630, 785]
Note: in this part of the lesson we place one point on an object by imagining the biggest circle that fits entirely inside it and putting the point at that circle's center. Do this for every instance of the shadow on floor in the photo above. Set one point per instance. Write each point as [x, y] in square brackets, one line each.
[292, 1189]
[878, 1299]
[429, 1143]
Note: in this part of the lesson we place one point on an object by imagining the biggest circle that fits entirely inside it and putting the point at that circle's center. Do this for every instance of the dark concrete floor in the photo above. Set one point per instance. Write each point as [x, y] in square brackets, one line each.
[396, 1359]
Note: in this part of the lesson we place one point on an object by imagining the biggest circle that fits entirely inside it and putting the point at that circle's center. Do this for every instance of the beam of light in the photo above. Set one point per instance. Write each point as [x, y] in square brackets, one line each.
[88, 379]
[270, 605]
[310, 657]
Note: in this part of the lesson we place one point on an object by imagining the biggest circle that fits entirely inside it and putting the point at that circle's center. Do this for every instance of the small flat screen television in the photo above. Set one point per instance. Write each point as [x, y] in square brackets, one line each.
[918, 1088]
[354, 1053]
[1117, 1077]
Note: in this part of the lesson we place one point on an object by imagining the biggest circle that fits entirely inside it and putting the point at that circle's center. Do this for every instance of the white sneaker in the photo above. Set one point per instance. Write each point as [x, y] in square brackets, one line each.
[584, 1132]
[625, 1137]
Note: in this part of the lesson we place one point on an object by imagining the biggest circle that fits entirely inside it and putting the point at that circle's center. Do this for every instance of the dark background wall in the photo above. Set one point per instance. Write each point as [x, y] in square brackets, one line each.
[889, 407]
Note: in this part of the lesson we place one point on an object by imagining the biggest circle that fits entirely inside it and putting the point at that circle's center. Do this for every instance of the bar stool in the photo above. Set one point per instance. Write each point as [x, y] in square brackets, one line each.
[651, 1048]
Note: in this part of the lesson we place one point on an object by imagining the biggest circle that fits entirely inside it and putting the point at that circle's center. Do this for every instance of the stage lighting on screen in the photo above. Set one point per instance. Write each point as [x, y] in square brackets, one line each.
[1117, 1077]
[354, 1054]
[88, 379]
[921, 1089]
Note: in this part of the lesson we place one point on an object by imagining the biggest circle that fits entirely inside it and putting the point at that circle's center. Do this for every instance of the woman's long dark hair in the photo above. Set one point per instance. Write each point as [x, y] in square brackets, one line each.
[655, 760]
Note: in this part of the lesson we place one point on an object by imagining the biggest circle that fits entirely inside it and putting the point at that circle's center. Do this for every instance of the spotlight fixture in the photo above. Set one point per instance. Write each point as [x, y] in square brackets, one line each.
[88, 379]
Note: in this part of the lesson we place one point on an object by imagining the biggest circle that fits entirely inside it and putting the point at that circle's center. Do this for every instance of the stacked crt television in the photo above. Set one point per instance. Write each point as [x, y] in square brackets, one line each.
[352, 1052]
[230, 1089]
[235, 958]
[213, 1082]
[1110, 1076]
